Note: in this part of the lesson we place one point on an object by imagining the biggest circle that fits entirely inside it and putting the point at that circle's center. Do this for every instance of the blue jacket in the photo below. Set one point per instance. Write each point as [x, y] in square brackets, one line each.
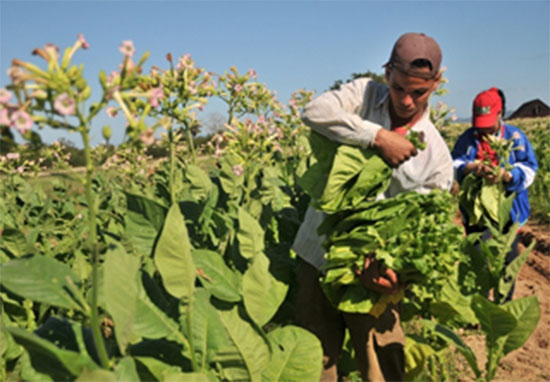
[523, 161]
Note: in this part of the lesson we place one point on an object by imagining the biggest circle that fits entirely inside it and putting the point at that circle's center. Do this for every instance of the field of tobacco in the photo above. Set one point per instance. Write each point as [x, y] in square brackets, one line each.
[181, 268]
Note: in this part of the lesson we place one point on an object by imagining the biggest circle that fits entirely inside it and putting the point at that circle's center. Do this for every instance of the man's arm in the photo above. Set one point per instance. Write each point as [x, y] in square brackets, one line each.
[335, 114]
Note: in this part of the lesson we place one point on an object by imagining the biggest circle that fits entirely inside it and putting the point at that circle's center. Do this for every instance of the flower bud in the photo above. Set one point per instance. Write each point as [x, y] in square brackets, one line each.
[106, 132]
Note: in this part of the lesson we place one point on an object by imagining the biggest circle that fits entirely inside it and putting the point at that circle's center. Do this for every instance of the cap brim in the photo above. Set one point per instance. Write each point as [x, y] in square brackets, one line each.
[484, 121]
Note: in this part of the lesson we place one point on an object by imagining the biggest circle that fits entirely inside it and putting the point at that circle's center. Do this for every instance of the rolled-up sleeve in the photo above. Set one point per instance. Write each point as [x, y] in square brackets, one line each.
[336, 115]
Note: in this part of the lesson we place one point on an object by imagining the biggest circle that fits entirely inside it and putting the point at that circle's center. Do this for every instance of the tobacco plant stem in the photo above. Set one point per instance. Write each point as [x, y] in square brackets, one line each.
[172, 166]
[92, 240]
[191, 146]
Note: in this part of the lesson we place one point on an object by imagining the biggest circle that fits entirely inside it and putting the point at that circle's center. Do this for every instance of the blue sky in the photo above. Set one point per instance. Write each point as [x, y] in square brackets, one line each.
[292, 45]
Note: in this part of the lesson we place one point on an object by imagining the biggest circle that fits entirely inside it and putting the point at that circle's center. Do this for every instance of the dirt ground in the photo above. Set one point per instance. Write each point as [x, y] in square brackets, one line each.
[532, 361]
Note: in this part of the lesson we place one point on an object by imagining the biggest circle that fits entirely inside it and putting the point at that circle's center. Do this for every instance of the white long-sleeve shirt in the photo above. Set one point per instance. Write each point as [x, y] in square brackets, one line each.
[353, 115]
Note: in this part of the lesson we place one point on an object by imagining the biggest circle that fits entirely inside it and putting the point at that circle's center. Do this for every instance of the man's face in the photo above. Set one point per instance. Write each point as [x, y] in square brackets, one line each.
[409, 95]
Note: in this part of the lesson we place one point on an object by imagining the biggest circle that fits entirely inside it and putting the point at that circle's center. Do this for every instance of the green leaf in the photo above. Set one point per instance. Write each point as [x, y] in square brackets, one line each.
[262, 293]
[250, 354]
[15, 242]
[97, 375]
[452, 338]
[207, 332]
[250, 235]
[297, 356]
[417, 352]
[120, 279]
[453, 302]
[150, 321]
[504, 210]
[527, 313]
[144, 219]
[495, 321]
[46, 358]
[201, 185]
[512, 270]
[188, 377]
[155, 368]
[173, 256]
[216, 276]
[125, 370]
[42, 279]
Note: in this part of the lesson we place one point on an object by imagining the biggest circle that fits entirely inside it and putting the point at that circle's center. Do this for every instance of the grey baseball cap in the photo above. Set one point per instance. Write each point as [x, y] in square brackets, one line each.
[413, 46]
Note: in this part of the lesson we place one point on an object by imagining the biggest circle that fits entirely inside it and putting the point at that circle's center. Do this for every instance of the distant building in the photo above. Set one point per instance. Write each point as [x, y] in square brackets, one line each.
[534, 108]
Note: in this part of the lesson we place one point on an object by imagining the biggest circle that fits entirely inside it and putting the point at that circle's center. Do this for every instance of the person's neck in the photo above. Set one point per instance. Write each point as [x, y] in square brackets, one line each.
[396, 121]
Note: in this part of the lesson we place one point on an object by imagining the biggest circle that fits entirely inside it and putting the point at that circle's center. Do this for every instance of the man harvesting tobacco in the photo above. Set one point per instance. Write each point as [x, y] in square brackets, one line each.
[477, 152]
[382, 121]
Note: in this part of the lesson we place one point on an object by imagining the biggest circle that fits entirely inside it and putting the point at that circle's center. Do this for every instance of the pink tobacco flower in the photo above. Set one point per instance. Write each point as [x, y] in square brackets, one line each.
[52, 51]
[127, 48]
[252, 73]
[453, 118]
[12, 156]
[83, 41]
[238, 170]
[185, 62]
[64, 104]
[4, 118]
[5, 95]
[22, 121]
[155, 96]
[237, 88]
[111, 111]
[516, 135]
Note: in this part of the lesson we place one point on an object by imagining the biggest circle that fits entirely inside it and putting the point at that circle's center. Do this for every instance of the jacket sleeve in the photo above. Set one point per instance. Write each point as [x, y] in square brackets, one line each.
[460, 155]
[525, 166]
[335, 114]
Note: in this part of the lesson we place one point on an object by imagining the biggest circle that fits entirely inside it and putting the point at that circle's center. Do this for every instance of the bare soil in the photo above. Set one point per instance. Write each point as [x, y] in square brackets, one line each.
[532, 361]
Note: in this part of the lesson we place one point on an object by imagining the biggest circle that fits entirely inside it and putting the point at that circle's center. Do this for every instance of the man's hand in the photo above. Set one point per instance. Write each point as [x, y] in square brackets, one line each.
[393, 147]
[377, 277]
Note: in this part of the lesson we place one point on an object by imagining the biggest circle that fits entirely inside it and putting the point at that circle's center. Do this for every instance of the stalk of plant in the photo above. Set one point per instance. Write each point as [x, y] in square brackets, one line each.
[58, 98]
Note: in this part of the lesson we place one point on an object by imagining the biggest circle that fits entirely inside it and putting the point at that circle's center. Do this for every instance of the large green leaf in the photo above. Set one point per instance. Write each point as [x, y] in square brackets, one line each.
[144, 220]
[207, 332]
[173, 256]
[42, 279]
[297, 356]
[495, 321]
[216, 276]
[120, 292]
[46, 358]
[250, 354]
[314, 180]
[527, 313]
[262, 293]
[250, 235]
[152, 322]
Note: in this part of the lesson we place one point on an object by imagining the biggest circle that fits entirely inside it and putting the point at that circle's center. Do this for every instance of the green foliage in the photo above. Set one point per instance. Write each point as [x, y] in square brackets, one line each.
[182, 252]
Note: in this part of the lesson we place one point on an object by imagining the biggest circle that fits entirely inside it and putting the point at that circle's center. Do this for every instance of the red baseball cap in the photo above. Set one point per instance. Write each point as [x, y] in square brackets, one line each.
[487, 104]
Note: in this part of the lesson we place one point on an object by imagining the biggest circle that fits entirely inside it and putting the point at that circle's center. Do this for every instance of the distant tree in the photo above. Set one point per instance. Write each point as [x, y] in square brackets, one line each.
[213, 123]
[381, 78]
